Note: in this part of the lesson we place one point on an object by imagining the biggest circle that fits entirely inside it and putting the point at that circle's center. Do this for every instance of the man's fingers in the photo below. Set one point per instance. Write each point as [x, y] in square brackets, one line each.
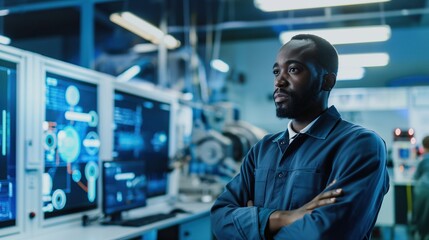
[319, 203]
[250, 203]
[330, 193]
[332, 183]
[324, 198]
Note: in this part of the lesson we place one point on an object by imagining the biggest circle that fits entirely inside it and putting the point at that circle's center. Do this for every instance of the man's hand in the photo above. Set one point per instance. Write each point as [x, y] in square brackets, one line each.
[279, 219]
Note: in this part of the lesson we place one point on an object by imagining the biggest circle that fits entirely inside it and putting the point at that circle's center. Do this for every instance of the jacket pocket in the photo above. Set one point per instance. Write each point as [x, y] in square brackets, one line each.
[260, 186]
[307, 184]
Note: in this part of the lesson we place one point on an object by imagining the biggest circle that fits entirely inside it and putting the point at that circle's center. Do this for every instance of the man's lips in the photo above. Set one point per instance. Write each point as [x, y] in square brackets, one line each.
[280, 97]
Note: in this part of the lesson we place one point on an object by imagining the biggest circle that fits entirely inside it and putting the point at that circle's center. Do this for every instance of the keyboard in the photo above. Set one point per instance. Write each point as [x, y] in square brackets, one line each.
[137, 222]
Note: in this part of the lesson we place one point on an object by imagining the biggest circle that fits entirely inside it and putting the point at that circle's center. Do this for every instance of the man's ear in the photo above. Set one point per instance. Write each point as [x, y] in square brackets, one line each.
[329, 81]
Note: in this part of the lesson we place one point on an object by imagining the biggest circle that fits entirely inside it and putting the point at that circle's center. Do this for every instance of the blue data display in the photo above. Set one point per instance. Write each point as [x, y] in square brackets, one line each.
[124, 186]
[7, 144]
[71, 145]
[141, 132]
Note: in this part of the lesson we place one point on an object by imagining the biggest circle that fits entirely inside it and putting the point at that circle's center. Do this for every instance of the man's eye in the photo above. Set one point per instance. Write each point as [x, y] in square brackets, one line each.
[292, 69]
[276, 72]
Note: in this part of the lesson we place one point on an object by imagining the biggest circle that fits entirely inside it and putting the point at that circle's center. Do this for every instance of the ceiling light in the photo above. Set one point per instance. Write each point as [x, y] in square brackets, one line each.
[352, 65]
[144, 29]
[128, 74]
[219, 65]
[345, 35]
[4, 40]
[363, 60]
[4, 12]
[145, 47]
[350, 73]
[283, 5]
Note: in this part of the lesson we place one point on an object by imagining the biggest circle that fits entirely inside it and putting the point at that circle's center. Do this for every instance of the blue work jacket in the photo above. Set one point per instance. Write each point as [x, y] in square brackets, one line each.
[279, 176]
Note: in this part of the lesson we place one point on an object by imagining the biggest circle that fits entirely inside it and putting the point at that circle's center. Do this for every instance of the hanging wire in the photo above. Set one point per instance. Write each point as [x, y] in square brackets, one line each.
[218, 33]
[210, 30]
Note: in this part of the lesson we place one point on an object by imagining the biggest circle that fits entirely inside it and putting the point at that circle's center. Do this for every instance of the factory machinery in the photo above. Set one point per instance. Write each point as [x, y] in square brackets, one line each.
[216, 141]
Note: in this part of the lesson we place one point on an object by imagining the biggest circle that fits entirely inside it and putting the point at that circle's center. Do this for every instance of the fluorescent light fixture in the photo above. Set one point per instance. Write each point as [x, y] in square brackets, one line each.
[4, 40]
[128, 74]
[363, 60]
[4, 12]
[219, 65]
[350, 73]
[345, 35]
[145, 47]
[284, 5]
[352, 65]
[144, 29]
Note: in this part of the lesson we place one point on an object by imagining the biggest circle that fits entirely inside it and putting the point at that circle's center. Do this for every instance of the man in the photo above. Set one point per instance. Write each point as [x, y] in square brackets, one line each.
[421, 192]
[322, 178]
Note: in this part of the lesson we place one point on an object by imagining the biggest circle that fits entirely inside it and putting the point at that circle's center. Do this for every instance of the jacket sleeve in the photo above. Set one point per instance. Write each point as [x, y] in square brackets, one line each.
[360, 170]
[230, 216]
[420, 170]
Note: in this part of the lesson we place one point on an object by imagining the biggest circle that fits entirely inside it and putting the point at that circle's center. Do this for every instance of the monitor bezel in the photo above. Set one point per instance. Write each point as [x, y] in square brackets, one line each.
[77, 73]
[23, 63]
[160, 95]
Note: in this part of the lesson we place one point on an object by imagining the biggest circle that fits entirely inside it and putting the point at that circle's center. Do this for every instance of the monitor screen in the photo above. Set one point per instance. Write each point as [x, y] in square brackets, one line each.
[142, 132]
[71, 145]
[124, 187]
[8, 143]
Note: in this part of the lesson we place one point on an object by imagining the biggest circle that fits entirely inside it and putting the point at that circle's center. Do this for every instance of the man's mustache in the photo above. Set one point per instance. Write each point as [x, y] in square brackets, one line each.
[282, 91]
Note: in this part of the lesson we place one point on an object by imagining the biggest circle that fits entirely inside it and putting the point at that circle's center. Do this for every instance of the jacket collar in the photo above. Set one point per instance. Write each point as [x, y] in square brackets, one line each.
[321, 128]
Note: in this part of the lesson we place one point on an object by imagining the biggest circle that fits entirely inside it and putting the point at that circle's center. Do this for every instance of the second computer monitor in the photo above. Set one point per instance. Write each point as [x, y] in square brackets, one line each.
[124, 187]
[142, 132]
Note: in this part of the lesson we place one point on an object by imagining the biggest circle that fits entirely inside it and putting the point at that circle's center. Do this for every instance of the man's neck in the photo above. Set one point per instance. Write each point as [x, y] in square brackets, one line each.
[298, 124]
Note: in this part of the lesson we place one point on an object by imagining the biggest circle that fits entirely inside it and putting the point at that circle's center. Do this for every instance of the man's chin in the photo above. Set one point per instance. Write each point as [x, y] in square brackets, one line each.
[282, 113]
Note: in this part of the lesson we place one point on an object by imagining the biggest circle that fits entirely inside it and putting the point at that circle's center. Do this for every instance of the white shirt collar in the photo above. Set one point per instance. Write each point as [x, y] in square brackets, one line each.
[293, 134]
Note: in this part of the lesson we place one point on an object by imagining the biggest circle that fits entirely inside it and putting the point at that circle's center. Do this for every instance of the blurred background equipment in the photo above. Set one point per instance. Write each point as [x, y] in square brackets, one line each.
[219, 142]
[404, 154]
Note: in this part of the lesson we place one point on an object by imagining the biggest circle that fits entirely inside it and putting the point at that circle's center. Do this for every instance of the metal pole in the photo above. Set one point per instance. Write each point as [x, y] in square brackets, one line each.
[87, 33]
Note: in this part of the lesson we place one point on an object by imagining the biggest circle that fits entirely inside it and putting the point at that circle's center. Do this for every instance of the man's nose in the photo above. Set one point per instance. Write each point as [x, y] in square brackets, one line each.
[280, 81]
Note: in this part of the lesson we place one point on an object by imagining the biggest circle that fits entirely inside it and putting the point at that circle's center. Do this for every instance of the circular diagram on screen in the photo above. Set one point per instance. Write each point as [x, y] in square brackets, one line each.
[72, 95]
[91, 173]
[94, 119]
[91, 170]
[76, 175]
[68, 144]
[92, 143]
[59, 199]
[50, 140]
[159, 140]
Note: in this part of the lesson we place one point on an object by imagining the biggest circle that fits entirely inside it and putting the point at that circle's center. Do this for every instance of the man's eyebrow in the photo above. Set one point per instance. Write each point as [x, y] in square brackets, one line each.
[294, 61]
[288, 62]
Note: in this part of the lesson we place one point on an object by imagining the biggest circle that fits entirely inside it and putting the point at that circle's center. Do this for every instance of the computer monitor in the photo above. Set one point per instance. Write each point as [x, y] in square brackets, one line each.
[142, 131]
[8, 170]
[124, 187]
[71, 145]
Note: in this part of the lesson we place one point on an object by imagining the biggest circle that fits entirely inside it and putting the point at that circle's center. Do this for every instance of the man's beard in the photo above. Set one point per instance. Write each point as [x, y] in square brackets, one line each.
[296, 105]
[283, 113]
[289, 109]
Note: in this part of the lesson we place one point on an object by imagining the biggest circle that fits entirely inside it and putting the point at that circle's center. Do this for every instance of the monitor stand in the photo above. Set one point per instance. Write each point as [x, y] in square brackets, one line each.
[113, 219]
